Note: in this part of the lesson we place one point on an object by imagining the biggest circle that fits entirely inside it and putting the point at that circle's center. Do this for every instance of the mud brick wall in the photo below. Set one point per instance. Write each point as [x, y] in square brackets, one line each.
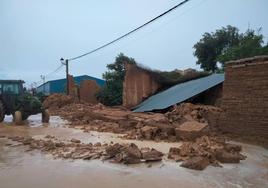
[138, 85]
[88, 90]
[73, 89]
[245, 97]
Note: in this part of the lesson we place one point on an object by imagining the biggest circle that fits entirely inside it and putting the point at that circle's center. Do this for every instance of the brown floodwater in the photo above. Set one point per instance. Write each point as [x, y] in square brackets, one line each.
[20, 169]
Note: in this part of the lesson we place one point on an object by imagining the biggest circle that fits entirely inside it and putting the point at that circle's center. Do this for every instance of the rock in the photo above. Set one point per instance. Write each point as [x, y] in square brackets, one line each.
[75, 140]
[131, 154]
[49, 136]
[16, 138]
[232, 147]
[27, 141]
[191, 130]
[174, 153]
[112, 150]
[151, 155]
[225, 157]
[59, 144]
[196, 163]
[165, 129]
[149, 132]
[98, 144]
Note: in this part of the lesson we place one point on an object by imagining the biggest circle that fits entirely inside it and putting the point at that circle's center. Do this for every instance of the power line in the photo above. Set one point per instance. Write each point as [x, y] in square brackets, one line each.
[49, 74]
[55, 71]
[130, 32]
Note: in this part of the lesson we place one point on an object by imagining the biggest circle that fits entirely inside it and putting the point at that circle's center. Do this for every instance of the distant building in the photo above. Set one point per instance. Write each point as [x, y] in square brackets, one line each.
[59, 86]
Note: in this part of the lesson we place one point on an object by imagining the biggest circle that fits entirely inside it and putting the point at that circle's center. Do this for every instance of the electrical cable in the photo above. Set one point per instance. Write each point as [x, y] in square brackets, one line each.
[130, 32]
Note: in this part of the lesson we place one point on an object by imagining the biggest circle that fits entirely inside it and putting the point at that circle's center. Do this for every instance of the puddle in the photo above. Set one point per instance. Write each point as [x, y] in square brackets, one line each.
[34, 169]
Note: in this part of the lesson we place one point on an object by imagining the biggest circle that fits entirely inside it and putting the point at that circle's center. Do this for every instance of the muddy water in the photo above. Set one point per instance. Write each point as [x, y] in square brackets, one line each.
[33, 169]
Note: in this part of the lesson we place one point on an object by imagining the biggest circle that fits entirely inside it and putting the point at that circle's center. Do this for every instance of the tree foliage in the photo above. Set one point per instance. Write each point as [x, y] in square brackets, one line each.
[227, 44]
[250, 44]
[111, 93]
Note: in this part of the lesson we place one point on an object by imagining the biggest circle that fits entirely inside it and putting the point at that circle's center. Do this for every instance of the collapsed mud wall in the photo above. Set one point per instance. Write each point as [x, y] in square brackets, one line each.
[73, 89]
[138, 85]
[85, 92]
[88, 90]
[245, 97]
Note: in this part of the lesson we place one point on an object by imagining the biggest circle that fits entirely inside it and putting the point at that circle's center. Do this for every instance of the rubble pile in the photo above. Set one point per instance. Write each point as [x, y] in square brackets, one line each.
[191, 112]
[131, 154]
[57, 101]
[185, 122]
[206, 151]
[74, 149]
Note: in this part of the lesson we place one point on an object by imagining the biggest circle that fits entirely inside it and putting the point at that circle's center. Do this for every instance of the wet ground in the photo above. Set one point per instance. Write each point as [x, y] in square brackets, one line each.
[34, 169]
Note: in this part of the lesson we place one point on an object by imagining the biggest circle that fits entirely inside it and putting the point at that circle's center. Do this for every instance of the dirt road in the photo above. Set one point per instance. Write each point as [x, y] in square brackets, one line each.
[34, 169]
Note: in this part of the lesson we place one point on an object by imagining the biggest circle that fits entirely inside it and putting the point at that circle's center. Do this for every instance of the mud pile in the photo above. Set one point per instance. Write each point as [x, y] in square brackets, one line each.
[57, 101]
[74, 149]
[206, 151]
[184, 122]
[191, 112]
[131, 154]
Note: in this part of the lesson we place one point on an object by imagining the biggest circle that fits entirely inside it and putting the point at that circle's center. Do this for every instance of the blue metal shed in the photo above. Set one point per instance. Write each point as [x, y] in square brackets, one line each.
[179, 93]
[58, 86]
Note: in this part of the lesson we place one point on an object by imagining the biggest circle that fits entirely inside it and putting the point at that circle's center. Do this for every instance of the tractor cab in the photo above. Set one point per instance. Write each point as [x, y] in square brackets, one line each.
[14, 101]
[9, 91]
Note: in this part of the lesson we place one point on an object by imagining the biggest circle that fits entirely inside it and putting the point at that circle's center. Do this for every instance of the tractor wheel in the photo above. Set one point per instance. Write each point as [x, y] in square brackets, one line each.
[45, 116]
[17, 118]
[2, 111]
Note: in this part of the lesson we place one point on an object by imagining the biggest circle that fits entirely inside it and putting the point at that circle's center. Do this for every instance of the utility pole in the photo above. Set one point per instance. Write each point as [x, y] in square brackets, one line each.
[44, 80]
[66, 63]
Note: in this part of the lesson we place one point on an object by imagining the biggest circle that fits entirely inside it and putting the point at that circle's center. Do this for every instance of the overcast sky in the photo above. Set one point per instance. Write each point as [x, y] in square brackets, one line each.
[35, 34]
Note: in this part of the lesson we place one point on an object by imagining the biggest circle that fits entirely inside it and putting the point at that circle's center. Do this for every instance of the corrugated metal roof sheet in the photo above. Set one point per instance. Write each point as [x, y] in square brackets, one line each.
[179, 93]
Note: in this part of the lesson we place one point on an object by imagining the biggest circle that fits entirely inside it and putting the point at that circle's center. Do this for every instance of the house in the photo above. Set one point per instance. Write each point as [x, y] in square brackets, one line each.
[59, 86]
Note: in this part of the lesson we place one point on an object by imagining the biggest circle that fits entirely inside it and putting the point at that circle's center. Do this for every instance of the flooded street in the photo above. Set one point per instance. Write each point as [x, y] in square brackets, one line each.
[35, 169]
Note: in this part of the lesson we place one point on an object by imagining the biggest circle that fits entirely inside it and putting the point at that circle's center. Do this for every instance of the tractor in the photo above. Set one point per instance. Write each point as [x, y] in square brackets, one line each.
[14, 100]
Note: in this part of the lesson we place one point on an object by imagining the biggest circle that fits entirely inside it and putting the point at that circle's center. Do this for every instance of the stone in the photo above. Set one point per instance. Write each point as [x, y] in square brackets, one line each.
[190, 130]
[196, 163]
[152, 155]
[75, 140]
[149, 132]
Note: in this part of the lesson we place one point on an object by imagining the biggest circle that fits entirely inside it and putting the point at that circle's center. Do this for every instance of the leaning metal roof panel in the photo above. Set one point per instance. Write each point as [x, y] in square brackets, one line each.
[179, 93]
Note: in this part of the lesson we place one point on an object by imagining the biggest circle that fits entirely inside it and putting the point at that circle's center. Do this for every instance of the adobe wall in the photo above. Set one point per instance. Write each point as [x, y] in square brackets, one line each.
[73, 89]
[88, 90]
[138, 85]
[245, 97]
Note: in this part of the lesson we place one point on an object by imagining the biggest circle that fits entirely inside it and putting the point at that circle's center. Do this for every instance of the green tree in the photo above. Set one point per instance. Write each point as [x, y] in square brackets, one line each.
[228, 44]
[250, 45]
[111, 93]
[214, 44]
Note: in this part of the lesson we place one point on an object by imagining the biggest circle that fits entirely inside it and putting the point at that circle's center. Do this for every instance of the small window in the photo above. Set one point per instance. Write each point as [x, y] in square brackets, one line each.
[11, 88]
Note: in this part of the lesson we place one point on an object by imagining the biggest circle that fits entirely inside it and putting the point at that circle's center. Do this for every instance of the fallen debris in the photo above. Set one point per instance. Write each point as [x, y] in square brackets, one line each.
[204, 151]
[196, 163]
[131, 154]
[184, 122]
[191, 130]
[57, 101]
[116, 153]
[75, 140]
